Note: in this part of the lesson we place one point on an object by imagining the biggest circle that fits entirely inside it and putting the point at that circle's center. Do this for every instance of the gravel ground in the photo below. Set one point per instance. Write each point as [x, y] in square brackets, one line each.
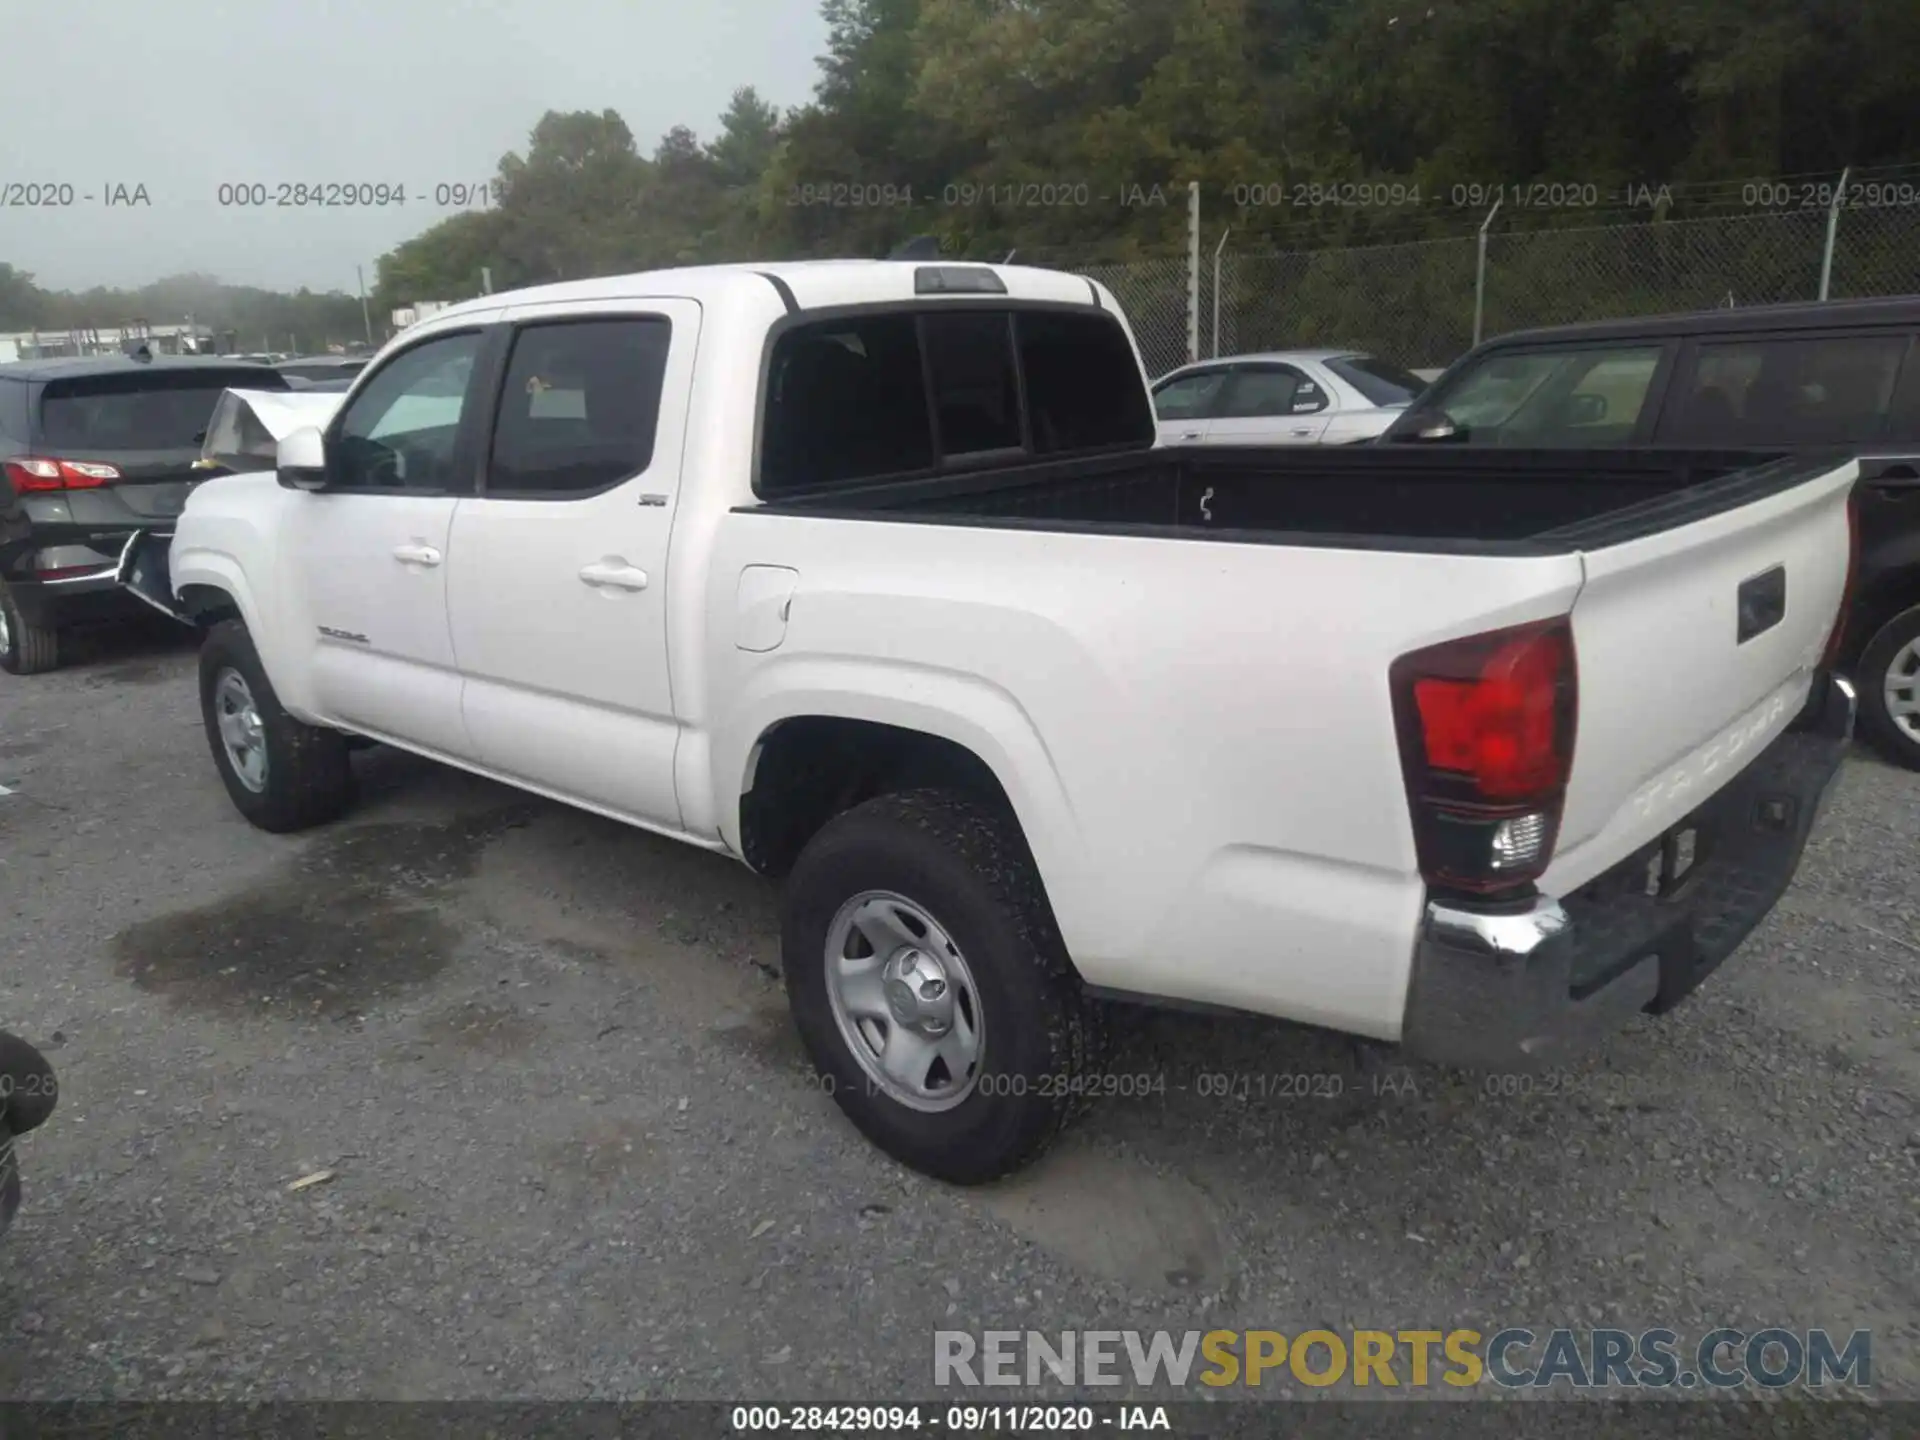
[574, 1152]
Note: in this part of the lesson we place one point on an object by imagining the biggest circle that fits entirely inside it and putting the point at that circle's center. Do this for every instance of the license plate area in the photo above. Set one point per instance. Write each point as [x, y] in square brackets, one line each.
[1670, 867]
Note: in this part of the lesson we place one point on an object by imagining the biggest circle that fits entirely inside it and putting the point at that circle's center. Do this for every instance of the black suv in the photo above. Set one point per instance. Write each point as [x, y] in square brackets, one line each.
[1843, 375]
[91, 450]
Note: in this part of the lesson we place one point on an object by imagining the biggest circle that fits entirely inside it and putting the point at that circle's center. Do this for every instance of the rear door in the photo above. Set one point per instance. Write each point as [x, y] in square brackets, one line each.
[557, 585]
[1266, 403]
[1696, 647]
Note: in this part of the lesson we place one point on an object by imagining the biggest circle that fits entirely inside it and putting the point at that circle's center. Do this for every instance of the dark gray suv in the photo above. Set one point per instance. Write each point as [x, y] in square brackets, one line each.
[91, 450]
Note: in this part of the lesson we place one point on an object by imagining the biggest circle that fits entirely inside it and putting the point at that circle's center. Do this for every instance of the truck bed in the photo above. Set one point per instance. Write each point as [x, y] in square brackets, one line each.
[1513, 501]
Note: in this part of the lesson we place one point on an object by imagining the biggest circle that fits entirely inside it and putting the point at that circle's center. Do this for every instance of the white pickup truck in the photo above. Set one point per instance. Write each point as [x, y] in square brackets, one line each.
[868, 574]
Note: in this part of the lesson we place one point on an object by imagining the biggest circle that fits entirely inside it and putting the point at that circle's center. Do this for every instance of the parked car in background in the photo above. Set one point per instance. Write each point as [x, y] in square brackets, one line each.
[874, 577]
[1282, 397]
[322, 367]
[91, 450]
[337, 387]
[1787, 378]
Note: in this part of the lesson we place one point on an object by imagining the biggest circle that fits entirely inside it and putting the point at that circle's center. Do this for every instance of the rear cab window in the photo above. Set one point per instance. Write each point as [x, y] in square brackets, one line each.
[896, 394]
[156, 410]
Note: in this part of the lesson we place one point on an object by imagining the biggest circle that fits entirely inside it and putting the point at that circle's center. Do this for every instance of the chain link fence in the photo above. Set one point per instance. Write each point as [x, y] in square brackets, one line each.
[1414, 303]
[1153, 296]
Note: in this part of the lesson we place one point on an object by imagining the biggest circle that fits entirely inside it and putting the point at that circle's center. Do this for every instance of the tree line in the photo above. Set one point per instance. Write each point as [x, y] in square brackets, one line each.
[1070, 129]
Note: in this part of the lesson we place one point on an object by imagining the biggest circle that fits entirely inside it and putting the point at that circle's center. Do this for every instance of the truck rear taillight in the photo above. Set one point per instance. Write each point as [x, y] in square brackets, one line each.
[29, 474]
[1486, 727]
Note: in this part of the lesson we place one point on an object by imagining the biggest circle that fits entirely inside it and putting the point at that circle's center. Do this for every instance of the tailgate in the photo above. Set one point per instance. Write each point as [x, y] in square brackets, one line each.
[1696, 646]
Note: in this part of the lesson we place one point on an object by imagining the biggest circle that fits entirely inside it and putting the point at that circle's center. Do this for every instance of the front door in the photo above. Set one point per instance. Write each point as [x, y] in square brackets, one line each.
[369, 553]
[558, 583]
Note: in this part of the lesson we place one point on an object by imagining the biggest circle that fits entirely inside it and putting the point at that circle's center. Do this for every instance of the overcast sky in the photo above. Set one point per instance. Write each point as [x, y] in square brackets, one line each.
[183, 95]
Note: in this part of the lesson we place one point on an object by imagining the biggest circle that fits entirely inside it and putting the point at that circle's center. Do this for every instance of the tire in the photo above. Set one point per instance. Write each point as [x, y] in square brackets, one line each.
[966, 870]
[307, 778]
[28, 1090]
[1888, 660]
[25, 649]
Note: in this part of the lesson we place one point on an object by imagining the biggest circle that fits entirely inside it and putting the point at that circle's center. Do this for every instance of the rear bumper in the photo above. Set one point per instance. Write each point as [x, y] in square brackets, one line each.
[1523, 985]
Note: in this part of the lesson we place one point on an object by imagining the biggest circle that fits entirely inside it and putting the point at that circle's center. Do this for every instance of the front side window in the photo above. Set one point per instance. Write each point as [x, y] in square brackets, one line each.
[399, 431]
[1551, 398]
[580, 406]
[1191, 397]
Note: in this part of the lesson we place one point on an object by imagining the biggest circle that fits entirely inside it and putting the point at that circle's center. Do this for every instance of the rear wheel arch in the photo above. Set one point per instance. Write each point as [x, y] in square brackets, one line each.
[804, 770]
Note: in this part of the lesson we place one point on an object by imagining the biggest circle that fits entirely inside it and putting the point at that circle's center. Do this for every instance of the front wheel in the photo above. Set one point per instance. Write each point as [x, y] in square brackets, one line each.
[931, 988]
[282, 775]
[1888, 678]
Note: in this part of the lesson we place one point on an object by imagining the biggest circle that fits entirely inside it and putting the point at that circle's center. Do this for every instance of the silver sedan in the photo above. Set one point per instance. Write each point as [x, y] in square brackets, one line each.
[1282, 397]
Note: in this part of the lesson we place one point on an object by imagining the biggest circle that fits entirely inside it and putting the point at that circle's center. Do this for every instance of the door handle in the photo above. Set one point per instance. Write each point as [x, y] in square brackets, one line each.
[614, 574]
[1304, 430]
[1191, 435]
[416, 555]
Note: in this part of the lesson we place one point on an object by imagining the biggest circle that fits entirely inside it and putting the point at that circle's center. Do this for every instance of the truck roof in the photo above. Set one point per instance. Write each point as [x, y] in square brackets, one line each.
[1791, 315]
[801, 284]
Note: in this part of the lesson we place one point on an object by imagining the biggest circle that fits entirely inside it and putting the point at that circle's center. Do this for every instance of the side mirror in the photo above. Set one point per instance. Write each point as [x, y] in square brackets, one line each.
[301, 460]
[1428, 425]
[1587, 410]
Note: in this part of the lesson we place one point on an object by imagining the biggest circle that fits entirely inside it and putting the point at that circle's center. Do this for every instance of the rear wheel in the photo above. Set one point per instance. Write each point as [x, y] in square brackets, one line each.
[25, 648]
[1888, 679]
[28, 1090]
[282, 774]
[931, 988]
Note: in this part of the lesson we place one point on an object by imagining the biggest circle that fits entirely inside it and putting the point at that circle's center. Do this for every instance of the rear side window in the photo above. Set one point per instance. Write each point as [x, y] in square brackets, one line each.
[1083, 383]
[1812, 390]
[1269, 391]
[580, 406]
[154, 410]
[1552, 398]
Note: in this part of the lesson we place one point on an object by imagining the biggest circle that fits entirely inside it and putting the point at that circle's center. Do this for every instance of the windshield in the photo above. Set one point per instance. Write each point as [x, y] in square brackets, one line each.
[1381, 381]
